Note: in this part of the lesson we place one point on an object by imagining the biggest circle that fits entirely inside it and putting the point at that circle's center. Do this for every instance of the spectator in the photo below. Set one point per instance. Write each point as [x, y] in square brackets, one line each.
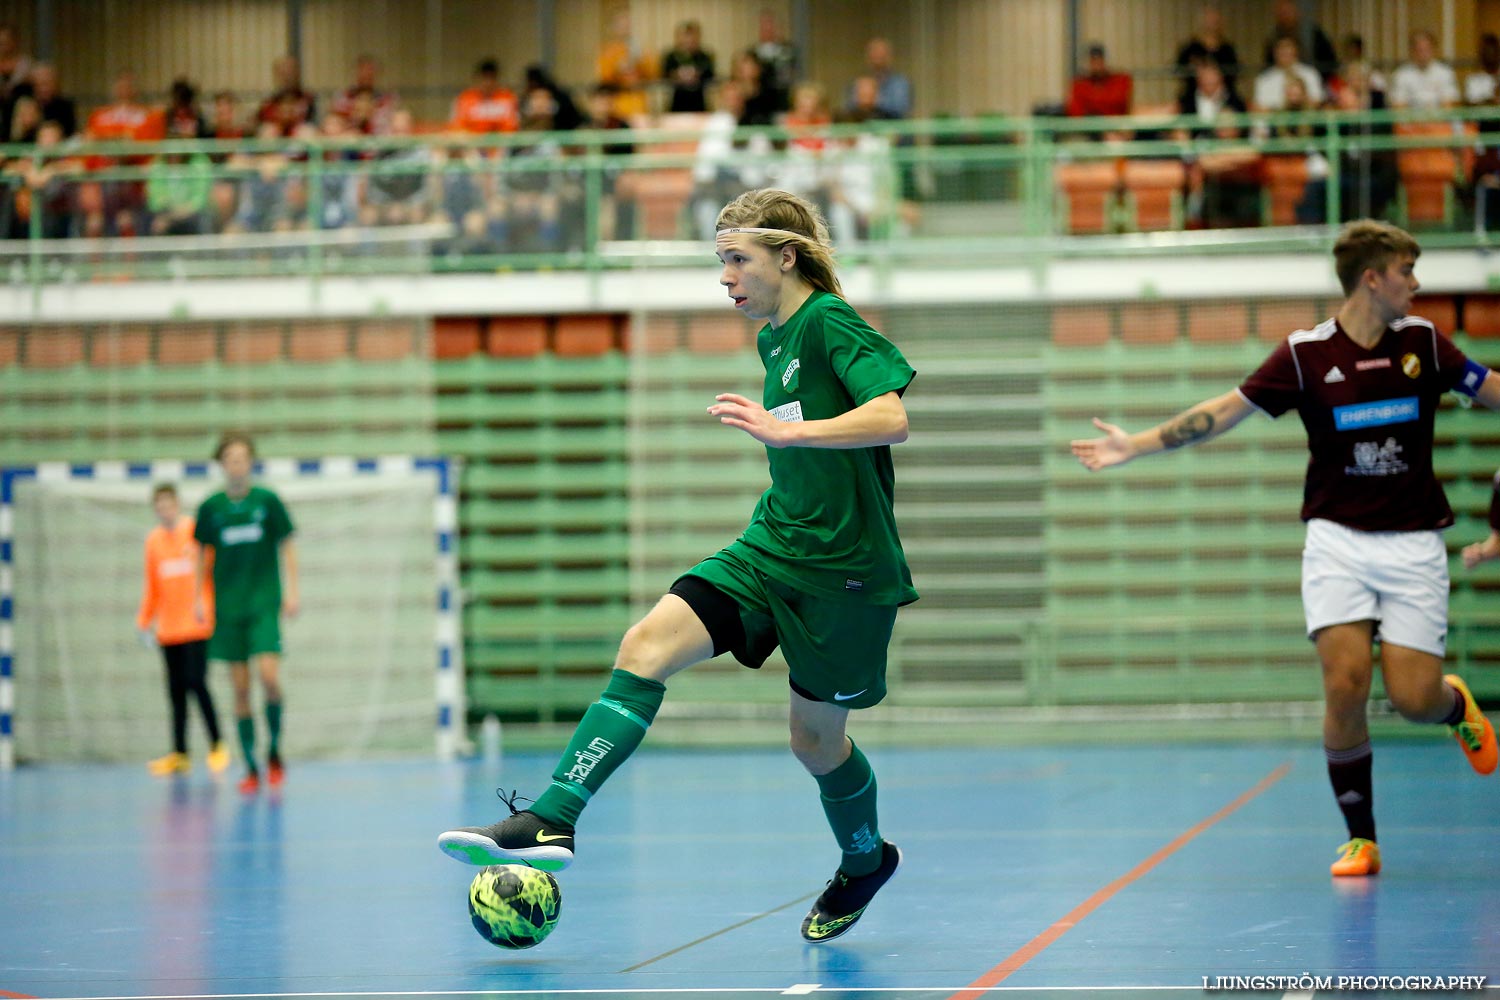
[1208, 44]
[688, 69]
[55, 108]
[1480, 87]
[625, 68]
[125, 117]
[894, 98]
[538, 201]
[1425, 83]
[183, 119]
[808, 118]
[25, 120]
[463, 194]
[1309, 38]
[121, 203]
[722, 166]
[759, 104]
[1270, 85]
[263, 204]
[394, 193]
[47, 186]
[339, 187]
[1100, 91]
[289, 105]
[864, 105]
[15, 65]
[177, 194]
[1367, 179]
[616, 212]
[373, 116]
[778, 59]
[1223, 186]
[568, 116]
[1355, 61]
[486, 106]
[227, 123]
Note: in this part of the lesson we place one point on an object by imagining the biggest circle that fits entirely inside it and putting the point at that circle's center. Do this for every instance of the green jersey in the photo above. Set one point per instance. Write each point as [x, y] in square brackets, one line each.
[246, 535]
[828, 522]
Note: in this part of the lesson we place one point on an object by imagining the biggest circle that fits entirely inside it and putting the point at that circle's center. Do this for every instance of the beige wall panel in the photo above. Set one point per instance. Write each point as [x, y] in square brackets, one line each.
[839, 31]
[474, 29]
[1000, 57]
[336, 32]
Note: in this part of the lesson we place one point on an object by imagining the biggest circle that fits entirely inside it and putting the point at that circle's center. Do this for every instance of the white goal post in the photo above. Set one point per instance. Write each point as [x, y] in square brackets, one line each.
[373, 663]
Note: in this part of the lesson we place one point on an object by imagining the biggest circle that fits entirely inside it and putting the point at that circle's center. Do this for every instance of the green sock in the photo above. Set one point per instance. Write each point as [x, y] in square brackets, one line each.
[607, 734]
[246, 727]
[273, 723]
[848, 794]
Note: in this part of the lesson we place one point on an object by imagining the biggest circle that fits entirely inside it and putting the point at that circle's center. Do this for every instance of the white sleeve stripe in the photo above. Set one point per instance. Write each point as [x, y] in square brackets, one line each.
[1252, 402]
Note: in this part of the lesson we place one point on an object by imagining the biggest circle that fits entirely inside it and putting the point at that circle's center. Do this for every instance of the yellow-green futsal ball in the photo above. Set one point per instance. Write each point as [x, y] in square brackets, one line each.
[513, 906]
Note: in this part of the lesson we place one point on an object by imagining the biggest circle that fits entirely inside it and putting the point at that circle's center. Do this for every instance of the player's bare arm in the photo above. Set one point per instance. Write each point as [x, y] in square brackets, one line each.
[881, 421]
[200, 582]
[1488, 395]
[1480, 552]
[1203, 422]
[291, 600]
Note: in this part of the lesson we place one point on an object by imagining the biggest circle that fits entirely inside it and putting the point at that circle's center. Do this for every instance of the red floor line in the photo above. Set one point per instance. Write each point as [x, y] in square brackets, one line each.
[1044, 940]
[16, 996]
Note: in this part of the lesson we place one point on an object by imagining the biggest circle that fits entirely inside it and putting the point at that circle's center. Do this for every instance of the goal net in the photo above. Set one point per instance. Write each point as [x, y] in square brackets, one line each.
[371, 666]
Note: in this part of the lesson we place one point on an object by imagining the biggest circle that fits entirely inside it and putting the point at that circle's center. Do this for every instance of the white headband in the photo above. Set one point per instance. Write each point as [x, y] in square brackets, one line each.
[755, 229]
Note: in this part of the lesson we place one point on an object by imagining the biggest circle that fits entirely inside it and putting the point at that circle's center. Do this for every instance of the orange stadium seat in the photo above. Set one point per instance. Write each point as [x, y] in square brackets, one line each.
[186, 344]
[455, 337]
[384, 340]
[516, 336]
[120, 346]
[661, 196]
[1087, 194]
[252, 343]
[320, 340]
[1218, 322]
[717, 334]
[10, 346]
[584, 336]
[1081, 326]
[1427, 174]
[1275, 320]
[1153, 193]
[1149, 323]
[1482, 316]
[1440, 309]
[1286, 183]
[53, 347]
[655, 333]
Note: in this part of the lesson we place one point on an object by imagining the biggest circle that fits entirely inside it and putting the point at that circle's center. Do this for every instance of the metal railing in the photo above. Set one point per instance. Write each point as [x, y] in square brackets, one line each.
[918, 192]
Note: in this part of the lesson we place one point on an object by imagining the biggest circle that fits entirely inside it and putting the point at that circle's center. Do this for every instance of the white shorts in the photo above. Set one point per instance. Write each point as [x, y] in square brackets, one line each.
[1398, 579]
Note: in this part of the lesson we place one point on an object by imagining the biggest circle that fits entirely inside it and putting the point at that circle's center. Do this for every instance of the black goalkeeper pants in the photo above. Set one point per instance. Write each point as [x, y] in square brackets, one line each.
[187, 674]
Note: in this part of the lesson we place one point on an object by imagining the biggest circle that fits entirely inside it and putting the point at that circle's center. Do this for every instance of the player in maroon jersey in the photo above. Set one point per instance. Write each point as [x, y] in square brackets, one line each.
[1366, 384]
[1488, 549]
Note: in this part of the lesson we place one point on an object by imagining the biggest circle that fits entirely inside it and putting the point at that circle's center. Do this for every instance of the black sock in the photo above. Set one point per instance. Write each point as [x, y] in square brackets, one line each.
[1460, 708]
[1349, 772]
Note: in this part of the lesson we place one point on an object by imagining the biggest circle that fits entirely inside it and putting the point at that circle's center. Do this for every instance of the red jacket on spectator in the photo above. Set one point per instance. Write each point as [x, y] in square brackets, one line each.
[1100, 95]
[478, 111]
[134, 122]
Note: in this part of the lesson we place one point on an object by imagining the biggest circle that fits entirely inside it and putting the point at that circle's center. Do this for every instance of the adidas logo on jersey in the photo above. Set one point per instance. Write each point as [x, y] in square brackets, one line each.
[1334, 375]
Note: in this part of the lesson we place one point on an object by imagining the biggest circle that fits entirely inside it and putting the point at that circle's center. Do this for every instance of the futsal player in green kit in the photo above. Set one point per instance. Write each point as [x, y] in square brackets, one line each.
[819, 571]
[245, 535]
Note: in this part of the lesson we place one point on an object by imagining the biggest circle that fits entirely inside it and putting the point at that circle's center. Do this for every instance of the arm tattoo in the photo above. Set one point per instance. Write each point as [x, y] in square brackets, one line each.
[1190, 428]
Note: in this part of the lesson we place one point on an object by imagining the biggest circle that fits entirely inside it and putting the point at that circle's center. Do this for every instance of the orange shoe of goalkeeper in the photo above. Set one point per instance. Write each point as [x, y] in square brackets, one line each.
[1356, 858]
[1474, 733]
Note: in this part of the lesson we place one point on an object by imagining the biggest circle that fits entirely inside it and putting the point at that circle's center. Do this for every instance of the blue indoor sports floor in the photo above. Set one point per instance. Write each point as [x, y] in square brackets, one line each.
[1033, 872]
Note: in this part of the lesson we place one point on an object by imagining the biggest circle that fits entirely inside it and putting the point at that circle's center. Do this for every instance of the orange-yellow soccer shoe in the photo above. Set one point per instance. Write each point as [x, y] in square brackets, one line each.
[1358, 857]
[1474, 734]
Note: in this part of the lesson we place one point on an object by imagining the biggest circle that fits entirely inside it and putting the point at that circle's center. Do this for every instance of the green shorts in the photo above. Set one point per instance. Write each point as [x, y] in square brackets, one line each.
[835, 646]
[235, 640]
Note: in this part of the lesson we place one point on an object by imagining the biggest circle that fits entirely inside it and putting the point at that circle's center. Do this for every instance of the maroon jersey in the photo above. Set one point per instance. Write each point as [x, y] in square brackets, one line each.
[1495, 505]
[1369, 419]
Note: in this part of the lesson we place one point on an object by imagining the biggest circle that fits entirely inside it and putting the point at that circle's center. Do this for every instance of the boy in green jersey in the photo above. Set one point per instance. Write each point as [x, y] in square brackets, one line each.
[819, 571]
[245, 535]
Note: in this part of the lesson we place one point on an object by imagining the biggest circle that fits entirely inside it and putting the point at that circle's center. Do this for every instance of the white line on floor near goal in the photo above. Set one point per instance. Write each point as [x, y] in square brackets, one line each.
[796, 989]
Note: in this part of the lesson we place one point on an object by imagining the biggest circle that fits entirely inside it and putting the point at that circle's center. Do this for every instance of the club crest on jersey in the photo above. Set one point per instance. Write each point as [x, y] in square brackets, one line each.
[789, 376]
[1411, 365]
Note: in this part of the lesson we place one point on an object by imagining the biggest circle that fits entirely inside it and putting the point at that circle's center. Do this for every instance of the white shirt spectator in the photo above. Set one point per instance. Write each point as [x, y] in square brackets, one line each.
[1480, 87]
[1270, 86]
[1432, 87]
